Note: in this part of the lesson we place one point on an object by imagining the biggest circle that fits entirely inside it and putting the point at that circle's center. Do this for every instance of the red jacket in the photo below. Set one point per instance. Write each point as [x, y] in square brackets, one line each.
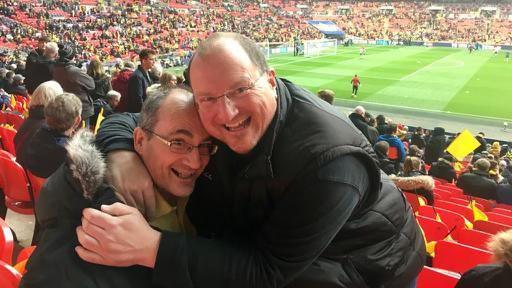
[120, 84]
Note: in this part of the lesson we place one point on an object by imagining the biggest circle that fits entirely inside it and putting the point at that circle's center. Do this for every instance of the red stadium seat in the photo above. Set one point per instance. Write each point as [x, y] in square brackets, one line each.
[464, 202]
[452, 188]
[25, 253]
[452, 220]
[461, 209]
[6, 243]
[414, 200]
[474, 238]
[499, 218]
[436, 278]
[9, 277]
[15, 185]
[7, 139]
[434, 230]
[504, 206]
[490, 226]
[15, 120]
[36, 183]
[502, 211]
[459, 258]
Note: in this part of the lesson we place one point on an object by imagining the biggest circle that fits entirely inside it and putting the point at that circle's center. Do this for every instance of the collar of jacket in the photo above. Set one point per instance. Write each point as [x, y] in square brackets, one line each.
[36, 112]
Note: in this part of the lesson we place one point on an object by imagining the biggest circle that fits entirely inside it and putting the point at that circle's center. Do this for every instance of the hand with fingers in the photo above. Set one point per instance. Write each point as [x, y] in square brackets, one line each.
[127, 173]
[118, 235]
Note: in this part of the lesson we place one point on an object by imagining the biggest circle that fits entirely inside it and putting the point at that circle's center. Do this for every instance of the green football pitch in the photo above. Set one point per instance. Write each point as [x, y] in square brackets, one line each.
[430, 79]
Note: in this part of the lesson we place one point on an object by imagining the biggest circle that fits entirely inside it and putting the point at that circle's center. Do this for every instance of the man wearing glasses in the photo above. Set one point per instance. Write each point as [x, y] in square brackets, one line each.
[174, 147]
[293, 197]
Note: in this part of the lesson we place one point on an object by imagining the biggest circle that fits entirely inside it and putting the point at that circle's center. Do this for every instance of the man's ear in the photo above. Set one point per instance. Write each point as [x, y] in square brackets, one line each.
[139, 137]
[78, 122]
[272, 77]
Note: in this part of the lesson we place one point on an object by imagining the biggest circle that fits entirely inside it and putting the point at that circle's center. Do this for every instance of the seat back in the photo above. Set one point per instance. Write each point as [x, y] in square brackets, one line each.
[392, 153]
[7, 139]
[36, 183]
[504, 206]
[14, 180]
[490, 226]
[432, 277]
[452, 188]
[452, 220]
[457, 208]
[6, 242]
[413, 199]
[434, 230]
[9, 277]
[502, 211]
[15, 120]
[499, 218]
[459, 257]
[474, 238]
[465, 202]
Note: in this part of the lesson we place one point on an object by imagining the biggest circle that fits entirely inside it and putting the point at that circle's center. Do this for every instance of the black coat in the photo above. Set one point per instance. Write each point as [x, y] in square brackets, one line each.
[101, 88]
[38, 72]
[74, 80]
[137, 86]
[369, 132]
[29, 127]
[487, 276]
[73, 187]
[435, 147]
[284, 206]
[418, 140]
[477, 184]
[443, 170]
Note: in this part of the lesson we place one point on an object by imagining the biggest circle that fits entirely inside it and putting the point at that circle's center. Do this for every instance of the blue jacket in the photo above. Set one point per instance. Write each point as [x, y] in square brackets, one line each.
[394, 141]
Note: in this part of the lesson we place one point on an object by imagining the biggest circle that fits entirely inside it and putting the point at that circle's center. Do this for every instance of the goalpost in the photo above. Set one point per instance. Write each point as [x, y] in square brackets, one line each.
[318, 47]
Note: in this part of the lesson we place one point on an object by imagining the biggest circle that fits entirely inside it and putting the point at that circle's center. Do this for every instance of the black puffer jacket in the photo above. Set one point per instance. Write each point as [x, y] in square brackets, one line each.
[76, 185]
[435, 145]
[277, 217]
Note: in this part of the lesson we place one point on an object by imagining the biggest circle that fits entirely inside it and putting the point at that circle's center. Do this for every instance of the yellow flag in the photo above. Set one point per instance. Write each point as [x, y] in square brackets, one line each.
[477, 213]
[464, 144]
[98, 121]
[13, 102]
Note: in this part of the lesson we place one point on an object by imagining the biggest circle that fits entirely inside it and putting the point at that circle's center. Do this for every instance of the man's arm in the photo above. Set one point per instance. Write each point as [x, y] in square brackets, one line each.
[299, 229]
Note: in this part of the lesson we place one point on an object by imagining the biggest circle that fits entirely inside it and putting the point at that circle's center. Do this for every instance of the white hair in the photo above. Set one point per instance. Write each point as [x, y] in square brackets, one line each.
[359, 110]
[44, 93]
[51, 49]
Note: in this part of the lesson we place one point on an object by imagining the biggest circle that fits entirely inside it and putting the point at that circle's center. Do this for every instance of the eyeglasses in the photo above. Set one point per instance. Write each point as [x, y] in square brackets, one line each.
[208, 102]
[181, 147]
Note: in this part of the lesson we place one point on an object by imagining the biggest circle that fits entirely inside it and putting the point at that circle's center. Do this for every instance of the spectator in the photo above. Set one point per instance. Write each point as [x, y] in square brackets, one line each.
[418, 139]
[108, 104]
[120, 82]
[496, 275]
[81, 183]
[40, 98]
[381, 124]
[326, 95]
[415, 181]
[443, 168]
[101, 80]
[358, 119]
[477, 183]
[138, 83]
[35, 54]
[483, 144]
[75, 81]
[396, 146]
[381, 149]
[41, 70]
[257, 232]
[45, 151]
[495, 150]
[436, 145]
[17, 87]
[504, 191]
[167, 81]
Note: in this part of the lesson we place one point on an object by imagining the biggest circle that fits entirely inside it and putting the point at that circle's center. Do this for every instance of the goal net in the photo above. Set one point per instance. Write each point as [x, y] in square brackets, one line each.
[320, 47]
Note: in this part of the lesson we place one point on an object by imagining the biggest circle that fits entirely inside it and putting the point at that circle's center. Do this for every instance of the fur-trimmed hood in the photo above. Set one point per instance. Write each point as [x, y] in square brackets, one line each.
[86, 163]
[414, 182]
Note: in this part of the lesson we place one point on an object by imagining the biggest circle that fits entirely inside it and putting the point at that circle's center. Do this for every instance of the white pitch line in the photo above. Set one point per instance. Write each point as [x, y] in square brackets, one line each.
[427, 110]
[310, 58]
[423, 68]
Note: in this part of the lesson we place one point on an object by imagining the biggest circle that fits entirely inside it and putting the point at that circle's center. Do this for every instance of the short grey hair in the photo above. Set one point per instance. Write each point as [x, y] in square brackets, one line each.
[112, 94]
[51, 48]
[149, 113]
[482, 164]
[359, 110]
[61, 112]
[44, 93]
